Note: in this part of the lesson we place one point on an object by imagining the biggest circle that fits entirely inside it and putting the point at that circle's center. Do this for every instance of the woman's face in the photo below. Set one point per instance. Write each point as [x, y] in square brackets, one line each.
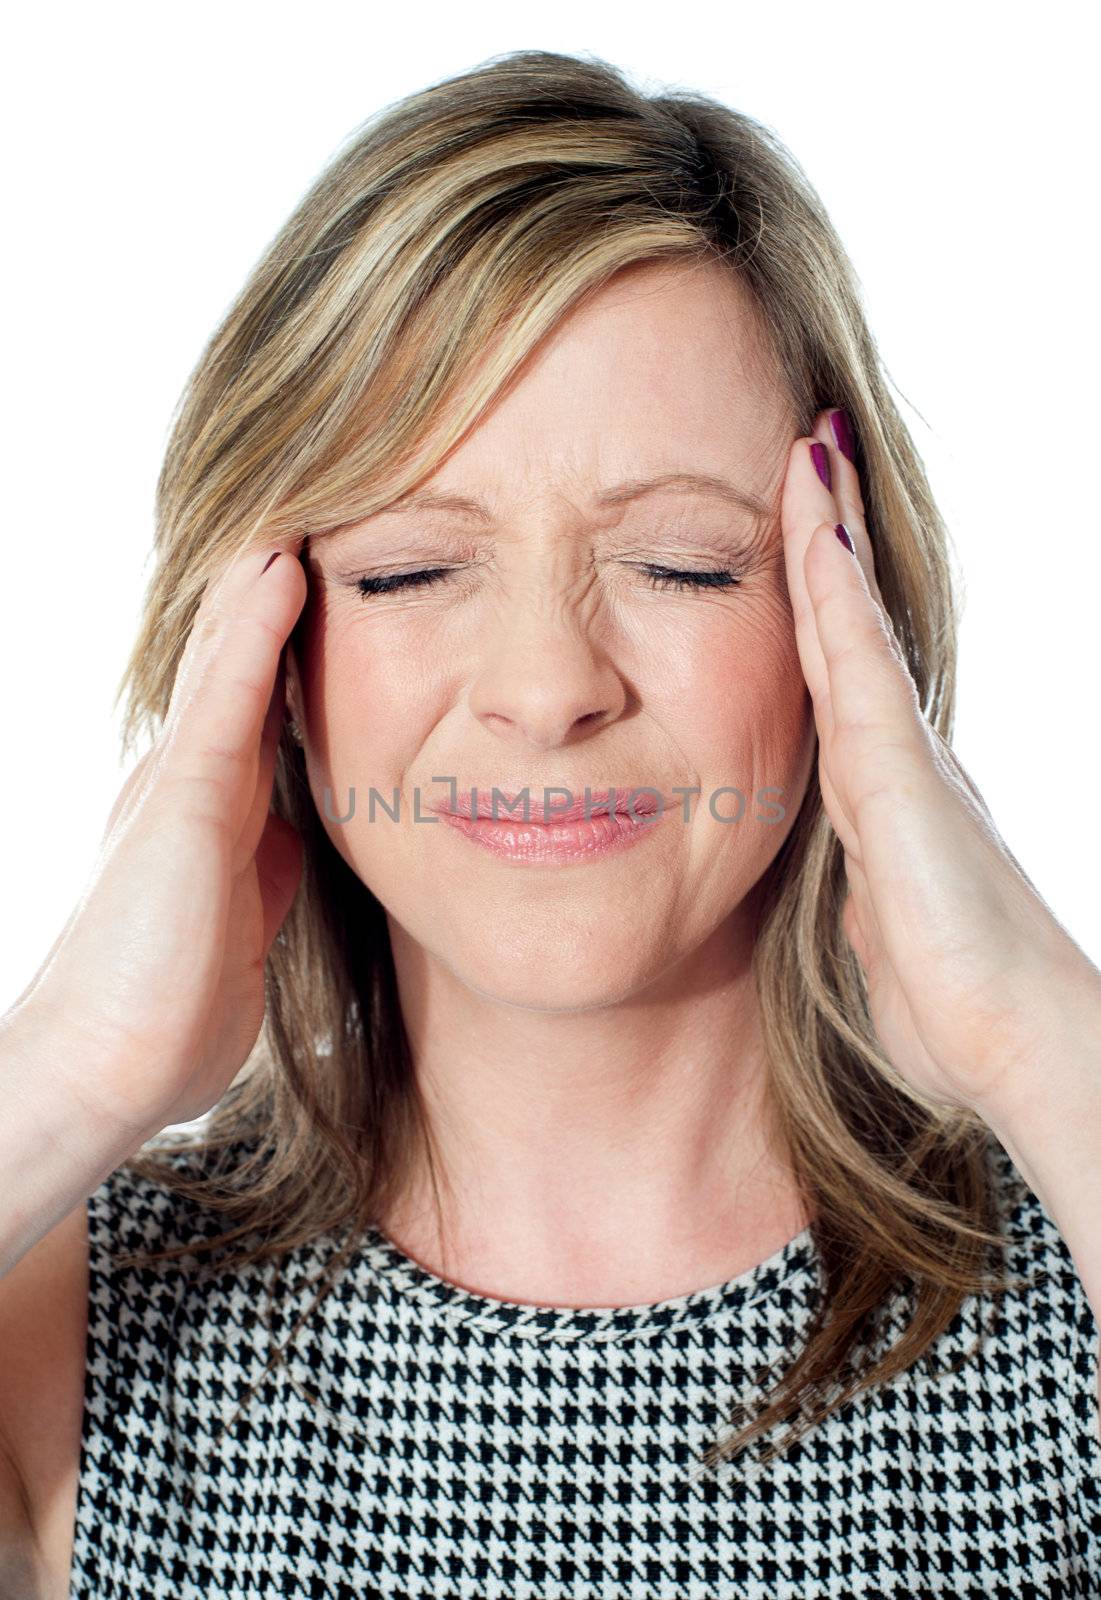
[546, 656]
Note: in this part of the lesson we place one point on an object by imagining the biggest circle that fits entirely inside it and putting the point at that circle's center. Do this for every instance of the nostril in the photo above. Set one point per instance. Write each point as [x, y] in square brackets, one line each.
[593, 718]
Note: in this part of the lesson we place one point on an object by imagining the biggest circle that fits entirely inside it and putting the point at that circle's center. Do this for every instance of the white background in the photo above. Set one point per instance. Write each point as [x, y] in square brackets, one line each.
[151, 153]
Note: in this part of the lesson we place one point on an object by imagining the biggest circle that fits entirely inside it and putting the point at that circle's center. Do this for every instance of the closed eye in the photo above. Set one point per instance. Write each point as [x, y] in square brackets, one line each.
[670, 578]
[657, 577]
[368, 586]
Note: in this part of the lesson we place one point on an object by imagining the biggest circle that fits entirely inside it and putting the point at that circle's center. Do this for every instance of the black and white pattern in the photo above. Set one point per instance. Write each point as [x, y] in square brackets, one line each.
[468, 1447]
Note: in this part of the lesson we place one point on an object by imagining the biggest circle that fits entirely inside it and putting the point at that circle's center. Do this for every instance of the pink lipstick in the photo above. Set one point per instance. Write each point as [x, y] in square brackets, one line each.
[534, 834]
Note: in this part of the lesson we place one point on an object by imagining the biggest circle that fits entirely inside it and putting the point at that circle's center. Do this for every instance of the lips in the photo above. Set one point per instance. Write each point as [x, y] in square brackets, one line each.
[629, 800]
[594, 828]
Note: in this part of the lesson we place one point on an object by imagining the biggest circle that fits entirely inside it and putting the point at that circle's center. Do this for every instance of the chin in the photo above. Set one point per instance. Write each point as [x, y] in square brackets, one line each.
[550, 986]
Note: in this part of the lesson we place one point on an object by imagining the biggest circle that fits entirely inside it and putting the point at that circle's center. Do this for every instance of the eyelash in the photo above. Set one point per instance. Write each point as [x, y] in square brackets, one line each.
[657, 577]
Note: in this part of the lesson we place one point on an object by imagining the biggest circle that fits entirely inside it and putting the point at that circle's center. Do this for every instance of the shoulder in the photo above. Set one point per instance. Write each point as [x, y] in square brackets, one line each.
[150, 1205]
[137, 1210]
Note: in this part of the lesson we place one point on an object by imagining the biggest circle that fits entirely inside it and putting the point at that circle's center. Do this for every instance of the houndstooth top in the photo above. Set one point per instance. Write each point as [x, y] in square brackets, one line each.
[465, 1446]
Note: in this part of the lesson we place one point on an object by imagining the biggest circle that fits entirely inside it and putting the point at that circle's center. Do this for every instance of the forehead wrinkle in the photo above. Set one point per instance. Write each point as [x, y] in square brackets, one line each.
[686, 482]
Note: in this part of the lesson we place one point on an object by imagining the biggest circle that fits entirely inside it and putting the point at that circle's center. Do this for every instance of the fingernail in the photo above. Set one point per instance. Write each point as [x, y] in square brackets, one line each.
[846, 539]
[273, 557]
[843, 433]
[820, 457]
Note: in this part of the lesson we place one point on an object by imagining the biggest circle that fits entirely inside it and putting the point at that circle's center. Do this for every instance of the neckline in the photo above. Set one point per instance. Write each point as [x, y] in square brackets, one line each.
[403, 1281]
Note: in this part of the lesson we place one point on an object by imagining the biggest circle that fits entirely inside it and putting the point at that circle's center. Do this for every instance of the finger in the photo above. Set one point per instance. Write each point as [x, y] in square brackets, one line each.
[223, 693]
[216, 609]
[270, 737]
[141, 775]
[805, 502]
[870, 698]
[833, 429]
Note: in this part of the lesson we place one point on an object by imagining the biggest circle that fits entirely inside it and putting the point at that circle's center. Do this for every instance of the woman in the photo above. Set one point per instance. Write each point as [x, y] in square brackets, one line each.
[687, 1196]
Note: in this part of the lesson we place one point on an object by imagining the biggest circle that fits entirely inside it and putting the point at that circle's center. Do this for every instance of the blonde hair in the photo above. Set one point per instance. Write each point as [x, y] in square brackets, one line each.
[447, 237]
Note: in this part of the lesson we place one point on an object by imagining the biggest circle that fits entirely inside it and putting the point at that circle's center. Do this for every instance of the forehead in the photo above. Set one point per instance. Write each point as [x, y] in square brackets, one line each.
[665, 367]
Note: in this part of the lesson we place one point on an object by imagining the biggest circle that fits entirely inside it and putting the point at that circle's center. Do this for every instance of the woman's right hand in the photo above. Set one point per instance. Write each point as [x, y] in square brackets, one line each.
[156, 981]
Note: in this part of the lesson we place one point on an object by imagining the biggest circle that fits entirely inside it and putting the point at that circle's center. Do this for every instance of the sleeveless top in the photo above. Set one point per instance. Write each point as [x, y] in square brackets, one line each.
[421, 1440]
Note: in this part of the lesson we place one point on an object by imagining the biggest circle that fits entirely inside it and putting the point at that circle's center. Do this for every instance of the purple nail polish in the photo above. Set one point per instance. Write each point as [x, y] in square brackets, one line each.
[846, 538]
[843, 433]
[820, 457]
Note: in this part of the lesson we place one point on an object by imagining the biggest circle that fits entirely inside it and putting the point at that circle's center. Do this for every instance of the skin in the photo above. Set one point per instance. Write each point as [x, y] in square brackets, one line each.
[589, 1042]
[587, 1036]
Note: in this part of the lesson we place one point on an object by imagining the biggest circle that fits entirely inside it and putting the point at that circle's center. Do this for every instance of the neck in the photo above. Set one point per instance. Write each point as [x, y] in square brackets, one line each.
[613, 1156]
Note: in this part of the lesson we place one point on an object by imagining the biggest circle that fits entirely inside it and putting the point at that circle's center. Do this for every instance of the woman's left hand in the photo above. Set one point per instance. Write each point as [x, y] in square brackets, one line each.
[969, 974]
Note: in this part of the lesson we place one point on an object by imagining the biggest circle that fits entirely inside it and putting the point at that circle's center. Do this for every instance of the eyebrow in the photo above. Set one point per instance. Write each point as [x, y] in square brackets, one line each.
[700, 483]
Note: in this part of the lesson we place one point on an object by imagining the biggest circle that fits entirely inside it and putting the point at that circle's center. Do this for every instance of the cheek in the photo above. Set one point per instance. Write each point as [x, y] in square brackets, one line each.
[742, 708]
[371, 696]
[371, 706]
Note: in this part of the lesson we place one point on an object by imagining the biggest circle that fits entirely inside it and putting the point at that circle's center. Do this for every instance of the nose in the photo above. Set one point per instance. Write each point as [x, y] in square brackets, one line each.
[546, 681]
